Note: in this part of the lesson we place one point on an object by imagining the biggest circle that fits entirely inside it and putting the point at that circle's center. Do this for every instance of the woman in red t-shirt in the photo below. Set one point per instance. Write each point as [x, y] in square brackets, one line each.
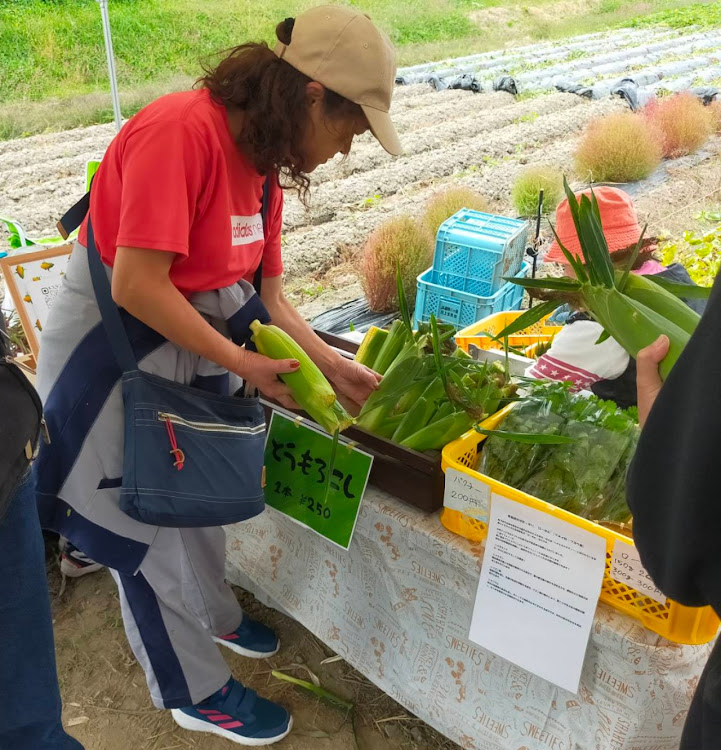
[176, 212]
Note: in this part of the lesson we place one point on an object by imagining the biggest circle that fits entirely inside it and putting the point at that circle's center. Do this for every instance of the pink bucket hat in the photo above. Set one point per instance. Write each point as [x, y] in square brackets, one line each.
[618, 218]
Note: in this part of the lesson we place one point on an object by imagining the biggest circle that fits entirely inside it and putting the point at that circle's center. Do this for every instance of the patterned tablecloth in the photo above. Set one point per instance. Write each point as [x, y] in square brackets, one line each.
[397, 606]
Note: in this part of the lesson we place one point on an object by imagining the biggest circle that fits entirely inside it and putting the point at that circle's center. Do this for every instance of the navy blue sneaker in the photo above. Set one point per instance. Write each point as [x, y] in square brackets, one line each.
[251, 639]
[238, 714]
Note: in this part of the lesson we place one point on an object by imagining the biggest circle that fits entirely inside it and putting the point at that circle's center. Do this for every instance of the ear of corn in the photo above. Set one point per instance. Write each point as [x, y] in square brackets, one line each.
[443, 411]
[635, 326]
[422, 411]
[651, 295]
[632, 309]
[410, 370]
[371, 346]
[413, 420]
[440, 432]
[310, 388]
[390, 425]
[395, 341]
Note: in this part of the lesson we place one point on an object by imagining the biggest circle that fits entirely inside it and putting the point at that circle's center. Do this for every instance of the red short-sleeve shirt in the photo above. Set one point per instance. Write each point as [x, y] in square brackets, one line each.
[174, 180]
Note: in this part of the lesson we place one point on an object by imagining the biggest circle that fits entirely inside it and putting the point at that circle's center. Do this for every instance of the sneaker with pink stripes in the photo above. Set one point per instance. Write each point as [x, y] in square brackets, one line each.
[239, 714]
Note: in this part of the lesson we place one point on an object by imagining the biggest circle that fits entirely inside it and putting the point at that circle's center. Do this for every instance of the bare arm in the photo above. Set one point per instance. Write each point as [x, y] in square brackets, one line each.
[141, 284]
[648, 381]
[352, 379]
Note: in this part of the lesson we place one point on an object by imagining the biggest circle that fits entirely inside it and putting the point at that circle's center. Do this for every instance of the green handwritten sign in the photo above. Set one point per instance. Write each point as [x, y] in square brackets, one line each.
[307, 482]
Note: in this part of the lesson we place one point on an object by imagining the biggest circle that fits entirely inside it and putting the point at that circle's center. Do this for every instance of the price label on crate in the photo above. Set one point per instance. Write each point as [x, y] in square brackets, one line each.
[626, 568]
[306, 482]
[467, 494]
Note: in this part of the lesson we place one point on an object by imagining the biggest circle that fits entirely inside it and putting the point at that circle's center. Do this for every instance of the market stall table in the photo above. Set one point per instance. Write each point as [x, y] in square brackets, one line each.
[397, 606]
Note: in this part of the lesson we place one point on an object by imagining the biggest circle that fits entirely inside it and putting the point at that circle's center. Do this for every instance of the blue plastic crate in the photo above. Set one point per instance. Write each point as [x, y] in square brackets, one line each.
[461, 308]
[474, 251]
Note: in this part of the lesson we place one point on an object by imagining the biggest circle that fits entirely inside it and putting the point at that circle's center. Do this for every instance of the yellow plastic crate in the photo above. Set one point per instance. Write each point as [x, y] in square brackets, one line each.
[527, 339]
[690, 625]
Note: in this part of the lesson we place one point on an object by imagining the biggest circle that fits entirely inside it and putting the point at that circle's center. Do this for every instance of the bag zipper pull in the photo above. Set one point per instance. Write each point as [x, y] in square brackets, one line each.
[20, 365]
[174, 450]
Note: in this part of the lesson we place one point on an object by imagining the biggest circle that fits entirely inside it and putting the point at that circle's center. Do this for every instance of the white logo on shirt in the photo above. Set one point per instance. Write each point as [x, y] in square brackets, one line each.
[246, 229]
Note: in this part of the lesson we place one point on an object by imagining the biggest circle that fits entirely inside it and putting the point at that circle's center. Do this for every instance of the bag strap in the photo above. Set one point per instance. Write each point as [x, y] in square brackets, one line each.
[258, 276]
[109, 312]
[74, 216]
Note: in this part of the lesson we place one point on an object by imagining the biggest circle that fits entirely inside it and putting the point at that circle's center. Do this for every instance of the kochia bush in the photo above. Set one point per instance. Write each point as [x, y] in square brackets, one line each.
[683, 122]
[528, 185]
[621, 147]
[444, 204]
[397, 242]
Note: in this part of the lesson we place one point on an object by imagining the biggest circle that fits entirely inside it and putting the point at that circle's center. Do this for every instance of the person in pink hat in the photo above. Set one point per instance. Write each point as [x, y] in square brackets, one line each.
[574, 355]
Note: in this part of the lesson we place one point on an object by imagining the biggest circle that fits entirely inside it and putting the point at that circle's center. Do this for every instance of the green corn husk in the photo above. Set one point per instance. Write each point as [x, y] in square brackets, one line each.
[412, 421]
[382, 402]
[420, 414]
[310, 388]
[634, 323]
[444, 410]
[389, 426]
[394, 342]
[635, 326]
[652, 295]
[439, 433]
[371, 347]
[409, 349]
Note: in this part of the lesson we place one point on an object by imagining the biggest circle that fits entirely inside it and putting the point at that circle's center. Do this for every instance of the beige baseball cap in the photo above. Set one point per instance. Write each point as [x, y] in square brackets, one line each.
[344, 50]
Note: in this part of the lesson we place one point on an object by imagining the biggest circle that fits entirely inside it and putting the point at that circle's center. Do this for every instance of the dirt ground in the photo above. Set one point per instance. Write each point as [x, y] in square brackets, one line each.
[107, 706]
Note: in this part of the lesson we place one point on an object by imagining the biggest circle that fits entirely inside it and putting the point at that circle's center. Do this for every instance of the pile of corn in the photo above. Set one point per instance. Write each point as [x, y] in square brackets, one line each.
[431, 392]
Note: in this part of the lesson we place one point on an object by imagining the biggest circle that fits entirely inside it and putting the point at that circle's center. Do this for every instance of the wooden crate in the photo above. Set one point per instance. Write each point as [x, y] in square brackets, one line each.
[415, 478]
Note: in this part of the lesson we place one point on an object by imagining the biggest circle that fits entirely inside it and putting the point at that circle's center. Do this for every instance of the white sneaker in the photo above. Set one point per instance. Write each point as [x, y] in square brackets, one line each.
[74, 563]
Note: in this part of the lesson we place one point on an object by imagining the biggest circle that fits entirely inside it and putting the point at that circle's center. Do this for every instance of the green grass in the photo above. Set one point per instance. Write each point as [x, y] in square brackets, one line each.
[52, 61]
[698, 14]
[56, 48]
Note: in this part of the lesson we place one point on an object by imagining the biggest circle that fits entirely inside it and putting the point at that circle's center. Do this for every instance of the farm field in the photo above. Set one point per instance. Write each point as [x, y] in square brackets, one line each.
[479, 140]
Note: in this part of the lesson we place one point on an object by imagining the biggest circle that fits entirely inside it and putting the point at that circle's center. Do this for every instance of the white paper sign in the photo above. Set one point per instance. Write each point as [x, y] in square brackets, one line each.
[41, 292]
[626, 568]
[466, 494]
[539, 586]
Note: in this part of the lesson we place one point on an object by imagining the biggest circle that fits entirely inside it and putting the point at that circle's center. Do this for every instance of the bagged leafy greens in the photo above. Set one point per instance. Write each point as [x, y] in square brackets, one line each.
[585, 476]
[514, 463]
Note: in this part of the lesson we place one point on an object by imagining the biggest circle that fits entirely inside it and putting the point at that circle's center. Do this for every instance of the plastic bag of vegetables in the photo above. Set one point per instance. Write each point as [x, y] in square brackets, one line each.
[574, 475]
[513, 462]
[585, 472]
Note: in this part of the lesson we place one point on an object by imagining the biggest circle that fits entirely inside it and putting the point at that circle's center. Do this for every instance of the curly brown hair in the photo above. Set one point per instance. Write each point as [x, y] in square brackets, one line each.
[272, 96]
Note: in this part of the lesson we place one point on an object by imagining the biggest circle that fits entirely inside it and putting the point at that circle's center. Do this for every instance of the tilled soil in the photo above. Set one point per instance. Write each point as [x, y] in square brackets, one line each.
[445, 134]
[480, 141]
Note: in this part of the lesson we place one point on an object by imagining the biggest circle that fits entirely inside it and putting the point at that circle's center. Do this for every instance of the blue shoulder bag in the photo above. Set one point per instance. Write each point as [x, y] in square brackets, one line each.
[192, 458]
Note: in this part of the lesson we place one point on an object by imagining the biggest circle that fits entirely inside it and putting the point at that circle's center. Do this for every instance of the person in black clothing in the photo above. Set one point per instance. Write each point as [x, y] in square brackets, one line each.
[673, 492]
